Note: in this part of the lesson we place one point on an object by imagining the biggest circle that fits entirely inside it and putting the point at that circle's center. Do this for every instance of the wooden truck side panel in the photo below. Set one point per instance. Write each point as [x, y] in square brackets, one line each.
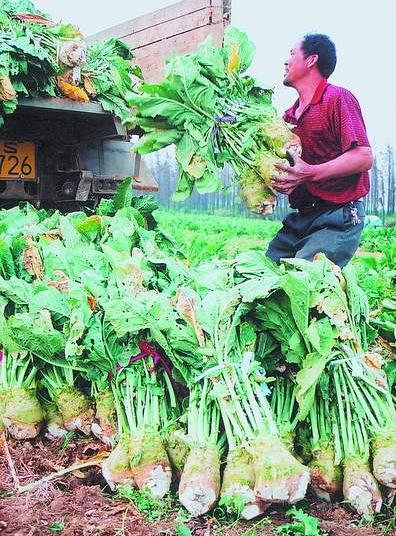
[175, 29]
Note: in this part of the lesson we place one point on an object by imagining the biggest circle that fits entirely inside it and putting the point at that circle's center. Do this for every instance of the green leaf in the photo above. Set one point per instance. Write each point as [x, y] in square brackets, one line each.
[211, 58]
[209, 182]
[185, 186]
[182, 530]
[255, 263]
[185, 150]
[296, 285]
[90, 227]
[153, 141]
[178, 113]
[123, 195]
[34, 334]
[259, 287]
[7, 267]
[307, 378]
[235, 38]
[127, 316]
[16, 290]
[322, 335]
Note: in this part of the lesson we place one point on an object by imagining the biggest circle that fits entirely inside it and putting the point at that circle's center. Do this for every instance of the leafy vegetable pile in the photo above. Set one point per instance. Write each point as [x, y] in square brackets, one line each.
[216, 115]
[105, 329]
[40, 57]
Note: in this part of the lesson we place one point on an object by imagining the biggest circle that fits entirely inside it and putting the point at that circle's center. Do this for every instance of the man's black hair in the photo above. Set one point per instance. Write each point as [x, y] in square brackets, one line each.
[324, 47]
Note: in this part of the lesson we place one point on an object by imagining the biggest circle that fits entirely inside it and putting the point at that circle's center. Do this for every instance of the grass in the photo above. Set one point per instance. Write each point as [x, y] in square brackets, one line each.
[203, 236]
[67, 440]
[387, 520]
[302, 524]
[57, 527]
[151, 509]
[378, 238]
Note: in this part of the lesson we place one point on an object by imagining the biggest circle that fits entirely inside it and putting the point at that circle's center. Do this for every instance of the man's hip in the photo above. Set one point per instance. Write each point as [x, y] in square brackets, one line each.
[331, 229]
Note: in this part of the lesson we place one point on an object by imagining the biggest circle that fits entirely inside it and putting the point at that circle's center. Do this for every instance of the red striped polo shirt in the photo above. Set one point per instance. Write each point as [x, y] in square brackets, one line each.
[328, 127]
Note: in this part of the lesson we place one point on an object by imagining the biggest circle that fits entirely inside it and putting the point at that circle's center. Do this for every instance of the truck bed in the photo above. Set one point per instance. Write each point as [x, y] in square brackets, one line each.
[59, 104]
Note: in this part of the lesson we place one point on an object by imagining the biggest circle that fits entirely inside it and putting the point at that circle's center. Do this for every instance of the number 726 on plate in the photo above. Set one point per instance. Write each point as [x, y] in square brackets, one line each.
[17, 160]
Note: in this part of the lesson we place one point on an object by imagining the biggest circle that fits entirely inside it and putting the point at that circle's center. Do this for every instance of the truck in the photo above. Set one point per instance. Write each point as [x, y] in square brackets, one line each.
[58, 153]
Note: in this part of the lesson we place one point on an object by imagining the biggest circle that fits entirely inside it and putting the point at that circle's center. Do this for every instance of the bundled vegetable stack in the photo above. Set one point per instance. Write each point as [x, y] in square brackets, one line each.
[259, 368]
[56, 282]
[318, 319]
[216, 115]
[40, 57]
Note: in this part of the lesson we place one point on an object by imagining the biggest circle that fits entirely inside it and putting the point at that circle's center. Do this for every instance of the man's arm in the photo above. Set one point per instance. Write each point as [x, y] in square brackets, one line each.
[356, 160]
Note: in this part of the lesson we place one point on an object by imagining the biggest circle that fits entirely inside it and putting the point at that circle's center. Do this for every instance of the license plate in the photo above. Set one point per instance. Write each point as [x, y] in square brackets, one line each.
[17, 161]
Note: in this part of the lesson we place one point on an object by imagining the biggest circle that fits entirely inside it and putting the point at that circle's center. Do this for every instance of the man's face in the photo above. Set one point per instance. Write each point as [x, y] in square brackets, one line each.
[296, 66]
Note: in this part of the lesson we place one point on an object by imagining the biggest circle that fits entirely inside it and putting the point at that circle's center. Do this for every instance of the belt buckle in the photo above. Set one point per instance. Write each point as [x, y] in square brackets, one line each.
[306, 208]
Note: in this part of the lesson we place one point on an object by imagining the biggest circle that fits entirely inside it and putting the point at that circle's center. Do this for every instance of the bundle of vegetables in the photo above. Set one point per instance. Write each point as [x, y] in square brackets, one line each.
[384, 319]
[284, 407]
[71, 405]
[156, 321]
[239, 358]
[20, 411]
[377, 277]
[56, 283]
[144, 407]
[199, 486]
[326, 472]
[319, 318]
[110, 76]
[216, 115]
[26, 68]
[260, 468]
[41, 57]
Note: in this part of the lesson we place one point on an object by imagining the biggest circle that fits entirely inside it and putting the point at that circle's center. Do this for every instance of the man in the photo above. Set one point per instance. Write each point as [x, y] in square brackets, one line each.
[326, 185]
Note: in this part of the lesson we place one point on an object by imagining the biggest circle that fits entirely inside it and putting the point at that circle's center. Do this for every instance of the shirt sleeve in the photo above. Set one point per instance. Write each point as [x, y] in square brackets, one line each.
[348, 124]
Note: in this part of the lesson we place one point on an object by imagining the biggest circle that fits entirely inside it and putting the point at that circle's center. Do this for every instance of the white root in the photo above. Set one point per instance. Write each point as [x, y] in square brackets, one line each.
[199, 486]
[361, 489]
[280, 478]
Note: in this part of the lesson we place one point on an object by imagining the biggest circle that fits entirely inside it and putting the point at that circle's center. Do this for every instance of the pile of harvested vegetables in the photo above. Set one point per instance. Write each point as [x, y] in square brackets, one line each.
[236, 381]
[41, 57]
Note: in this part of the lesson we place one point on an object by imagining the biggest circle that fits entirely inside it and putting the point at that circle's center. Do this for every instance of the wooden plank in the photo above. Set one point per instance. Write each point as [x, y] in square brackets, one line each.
[175, 29]
[174, 11]
[182, 43]
[169, 29]
[180, 9]
[151, 58]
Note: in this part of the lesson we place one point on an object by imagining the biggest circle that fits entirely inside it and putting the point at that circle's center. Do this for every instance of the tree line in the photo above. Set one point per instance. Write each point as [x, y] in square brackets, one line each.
[380, 201]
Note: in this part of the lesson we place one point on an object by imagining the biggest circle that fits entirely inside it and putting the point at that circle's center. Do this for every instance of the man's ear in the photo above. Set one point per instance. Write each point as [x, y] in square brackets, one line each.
[312, 60]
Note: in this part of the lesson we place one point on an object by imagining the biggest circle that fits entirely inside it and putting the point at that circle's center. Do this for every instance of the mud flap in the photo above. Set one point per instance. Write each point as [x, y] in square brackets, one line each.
[84, 186]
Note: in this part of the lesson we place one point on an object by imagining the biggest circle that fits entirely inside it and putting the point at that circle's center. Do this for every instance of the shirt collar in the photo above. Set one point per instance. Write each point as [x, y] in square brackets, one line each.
[319, 92]
[289, 115]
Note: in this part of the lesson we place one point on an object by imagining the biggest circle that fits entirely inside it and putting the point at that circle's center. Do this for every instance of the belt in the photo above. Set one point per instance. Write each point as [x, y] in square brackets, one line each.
[315, 205]
[323, 204]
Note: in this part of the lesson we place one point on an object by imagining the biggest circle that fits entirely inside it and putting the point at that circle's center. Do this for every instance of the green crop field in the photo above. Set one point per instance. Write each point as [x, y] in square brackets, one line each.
[203, 237]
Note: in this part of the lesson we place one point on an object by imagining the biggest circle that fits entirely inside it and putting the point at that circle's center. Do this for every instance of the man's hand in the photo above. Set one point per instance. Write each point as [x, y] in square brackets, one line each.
[355, 160]
[292, 176]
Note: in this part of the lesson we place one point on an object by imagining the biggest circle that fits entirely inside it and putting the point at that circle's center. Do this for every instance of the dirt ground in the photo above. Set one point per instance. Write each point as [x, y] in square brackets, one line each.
[80, 504]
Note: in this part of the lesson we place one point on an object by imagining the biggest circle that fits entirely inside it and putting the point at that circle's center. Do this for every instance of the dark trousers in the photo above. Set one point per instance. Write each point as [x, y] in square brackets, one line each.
[332, 230]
